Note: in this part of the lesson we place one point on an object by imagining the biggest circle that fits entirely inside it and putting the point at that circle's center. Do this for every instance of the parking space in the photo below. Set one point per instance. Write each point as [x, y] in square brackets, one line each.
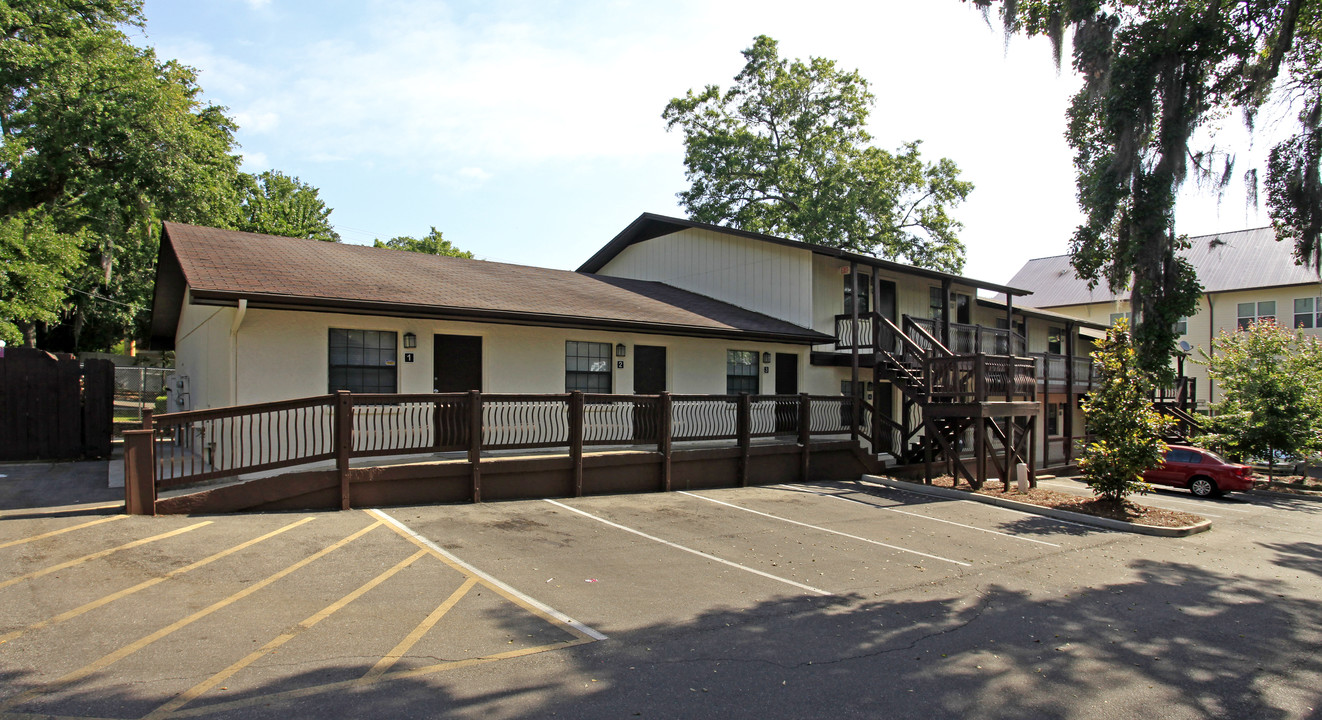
[160, 617]
[659, 605]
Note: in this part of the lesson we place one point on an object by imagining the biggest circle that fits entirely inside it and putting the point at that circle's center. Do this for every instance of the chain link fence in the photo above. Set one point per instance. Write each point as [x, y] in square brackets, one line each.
[136, 389]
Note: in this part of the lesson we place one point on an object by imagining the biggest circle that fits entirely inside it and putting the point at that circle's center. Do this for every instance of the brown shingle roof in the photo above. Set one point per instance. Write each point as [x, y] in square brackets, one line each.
[221, 266]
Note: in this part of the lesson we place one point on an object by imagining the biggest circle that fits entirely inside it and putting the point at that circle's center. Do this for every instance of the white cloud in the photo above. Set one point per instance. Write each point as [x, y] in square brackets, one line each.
[255, 162]
[257, 122]
[465, 178]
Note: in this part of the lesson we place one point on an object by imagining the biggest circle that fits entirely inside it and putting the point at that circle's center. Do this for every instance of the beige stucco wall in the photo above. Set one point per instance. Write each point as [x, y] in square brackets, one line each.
[760, 276]
[204, 354]
[1217, 313]
[279, 354]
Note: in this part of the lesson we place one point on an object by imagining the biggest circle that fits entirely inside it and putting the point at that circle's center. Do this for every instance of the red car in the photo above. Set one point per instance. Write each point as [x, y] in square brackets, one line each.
[1202, 471]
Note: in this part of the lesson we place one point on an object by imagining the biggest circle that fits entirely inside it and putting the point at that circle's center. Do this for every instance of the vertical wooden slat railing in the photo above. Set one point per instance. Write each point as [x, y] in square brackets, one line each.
[201, 445]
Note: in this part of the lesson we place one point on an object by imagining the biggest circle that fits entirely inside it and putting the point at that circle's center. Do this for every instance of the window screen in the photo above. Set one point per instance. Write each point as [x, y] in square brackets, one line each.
[740, 372]
[587, 367]
[362, 361]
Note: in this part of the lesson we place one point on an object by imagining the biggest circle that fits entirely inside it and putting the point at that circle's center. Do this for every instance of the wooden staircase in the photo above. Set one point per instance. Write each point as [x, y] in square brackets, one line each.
[942, 396]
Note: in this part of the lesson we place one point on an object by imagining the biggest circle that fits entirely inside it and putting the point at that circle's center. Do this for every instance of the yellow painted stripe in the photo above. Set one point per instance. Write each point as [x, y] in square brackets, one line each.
[53, 533]
[62, 509]
[412, 639]
[143, 642]
[145, 584]
[346, 685]
[197, 690]
[101, 554]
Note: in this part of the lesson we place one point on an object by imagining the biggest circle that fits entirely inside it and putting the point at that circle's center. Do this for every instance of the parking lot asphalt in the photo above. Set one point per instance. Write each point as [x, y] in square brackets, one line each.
[841, 599]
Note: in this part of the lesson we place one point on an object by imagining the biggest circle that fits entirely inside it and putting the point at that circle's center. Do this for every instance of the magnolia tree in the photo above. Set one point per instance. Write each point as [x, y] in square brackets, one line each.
[1271, 393]
[1127, 430]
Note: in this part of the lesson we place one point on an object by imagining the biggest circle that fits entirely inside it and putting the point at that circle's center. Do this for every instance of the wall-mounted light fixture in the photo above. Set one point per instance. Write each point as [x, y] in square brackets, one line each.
[766, 358]
[619, 350]
[410, 340]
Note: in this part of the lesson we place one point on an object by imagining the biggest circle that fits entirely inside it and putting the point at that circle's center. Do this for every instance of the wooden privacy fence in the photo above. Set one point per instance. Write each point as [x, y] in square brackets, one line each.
[52, 407]
[188, 447]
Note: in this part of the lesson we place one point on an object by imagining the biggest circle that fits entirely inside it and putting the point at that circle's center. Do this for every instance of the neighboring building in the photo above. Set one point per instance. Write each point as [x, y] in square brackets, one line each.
[1246, 275]
[667, 305]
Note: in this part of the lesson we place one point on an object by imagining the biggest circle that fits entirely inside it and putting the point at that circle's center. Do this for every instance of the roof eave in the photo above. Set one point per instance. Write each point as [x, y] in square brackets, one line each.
[274, 301]
[639, 230]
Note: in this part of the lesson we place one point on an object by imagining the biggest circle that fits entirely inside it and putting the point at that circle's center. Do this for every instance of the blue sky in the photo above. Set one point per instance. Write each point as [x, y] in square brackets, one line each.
[531, 132]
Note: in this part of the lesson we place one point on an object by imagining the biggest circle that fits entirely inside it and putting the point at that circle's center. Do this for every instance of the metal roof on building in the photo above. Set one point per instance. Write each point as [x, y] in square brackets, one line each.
[1239, 260]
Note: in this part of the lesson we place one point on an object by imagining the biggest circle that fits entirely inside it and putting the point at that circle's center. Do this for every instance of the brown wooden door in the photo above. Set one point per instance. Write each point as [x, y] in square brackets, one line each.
[457, 363]
[649, 370]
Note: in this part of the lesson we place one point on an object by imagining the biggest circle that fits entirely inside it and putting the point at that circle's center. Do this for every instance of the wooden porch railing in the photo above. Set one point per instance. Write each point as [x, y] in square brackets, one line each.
[980, 378]
[198, 445]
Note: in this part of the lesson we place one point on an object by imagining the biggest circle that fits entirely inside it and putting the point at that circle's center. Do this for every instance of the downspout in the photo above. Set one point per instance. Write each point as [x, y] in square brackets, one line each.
[1211, 346]
[234, 350]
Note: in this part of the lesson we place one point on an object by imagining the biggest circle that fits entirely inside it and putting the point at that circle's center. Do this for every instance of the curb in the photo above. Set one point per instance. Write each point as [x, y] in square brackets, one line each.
[1306, 495]
[1024, 507]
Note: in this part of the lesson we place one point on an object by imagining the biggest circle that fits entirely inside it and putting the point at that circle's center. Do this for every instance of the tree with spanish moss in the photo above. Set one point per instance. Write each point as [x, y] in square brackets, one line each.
[1156, 75]
[785, 151]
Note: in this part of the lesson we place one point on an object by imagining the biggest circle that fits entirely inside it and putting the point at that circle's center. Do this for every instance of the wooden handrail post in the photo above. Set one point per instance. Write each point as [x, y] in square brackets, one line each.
[576, 404]
[146, 418]
[805, 433]
[980, 378]
[665, 436]
[744, 429]
[475, 444]
[343, 442]
[139, 472]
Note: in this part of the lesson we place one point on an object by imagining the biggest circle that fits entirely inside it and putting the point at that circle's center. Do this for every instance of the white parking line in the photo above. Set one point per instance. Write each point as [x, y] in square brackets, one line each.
[827, 530]
[1021, 513]
[699, 553]
[919, 515]
[382, 515]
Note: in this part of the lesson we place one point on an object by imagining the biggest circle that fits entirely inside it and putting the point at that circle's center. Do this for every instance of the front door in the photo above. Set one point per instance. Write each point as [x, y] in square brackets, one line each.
[649, 378]
[787, 383]
[649, 370]
[457, 363]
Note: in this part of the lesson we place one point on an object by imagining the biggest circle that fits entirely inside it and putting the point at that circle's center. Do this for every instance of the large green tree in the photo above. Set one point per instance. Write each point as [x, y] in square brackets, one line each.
[102, 139]
[36, 266]
[1271, 392]
[432, 244]
[785, 151]
[1156, 73]
[278, 204]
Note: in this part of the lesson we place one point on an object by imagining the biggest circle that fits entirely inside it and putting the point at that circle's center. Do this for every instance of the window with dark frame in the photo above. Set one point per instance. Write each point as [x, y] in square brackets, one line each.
[864, 293]
[936, 302]
[363, 361]
[588, 366]
[741, 372]
[1056, 341]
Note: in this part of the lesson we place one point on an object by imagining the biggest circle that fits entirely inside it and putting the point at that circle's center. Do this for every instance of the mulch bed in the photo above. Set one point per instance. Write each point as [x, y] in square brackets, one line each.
[1294, 485]
[1126, 510]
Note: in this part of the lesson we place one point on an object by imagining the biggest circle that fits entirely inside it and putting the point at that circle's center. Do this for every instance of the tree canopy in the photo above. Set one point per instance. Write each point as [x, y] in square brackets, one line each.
[1155, 74]
[785, 151]
[100, 141]
[277, 204]
[431, 244]
[1271, 392]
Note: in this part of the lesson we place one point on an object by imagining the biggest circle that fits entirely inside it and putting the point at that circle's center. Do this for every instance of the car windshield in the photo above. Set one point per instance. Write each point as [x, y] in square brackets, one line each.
[1214, 456]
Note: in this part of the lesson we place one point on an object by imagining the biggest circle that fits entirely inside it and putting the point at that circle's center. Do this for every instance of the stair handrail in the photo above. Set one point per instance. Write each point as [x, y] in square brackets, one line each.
[937, 347]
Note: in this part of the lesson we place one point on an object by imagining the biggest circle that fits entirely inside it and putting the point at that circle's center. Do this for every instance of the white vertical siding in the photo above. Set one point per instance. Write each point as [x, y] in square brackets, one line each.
[764, 277]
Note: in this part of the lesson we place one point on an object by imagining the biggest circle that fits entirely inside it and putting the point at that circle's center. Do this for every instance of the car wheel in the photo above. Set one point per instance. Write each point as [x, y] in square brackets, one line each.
[1203, 487]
